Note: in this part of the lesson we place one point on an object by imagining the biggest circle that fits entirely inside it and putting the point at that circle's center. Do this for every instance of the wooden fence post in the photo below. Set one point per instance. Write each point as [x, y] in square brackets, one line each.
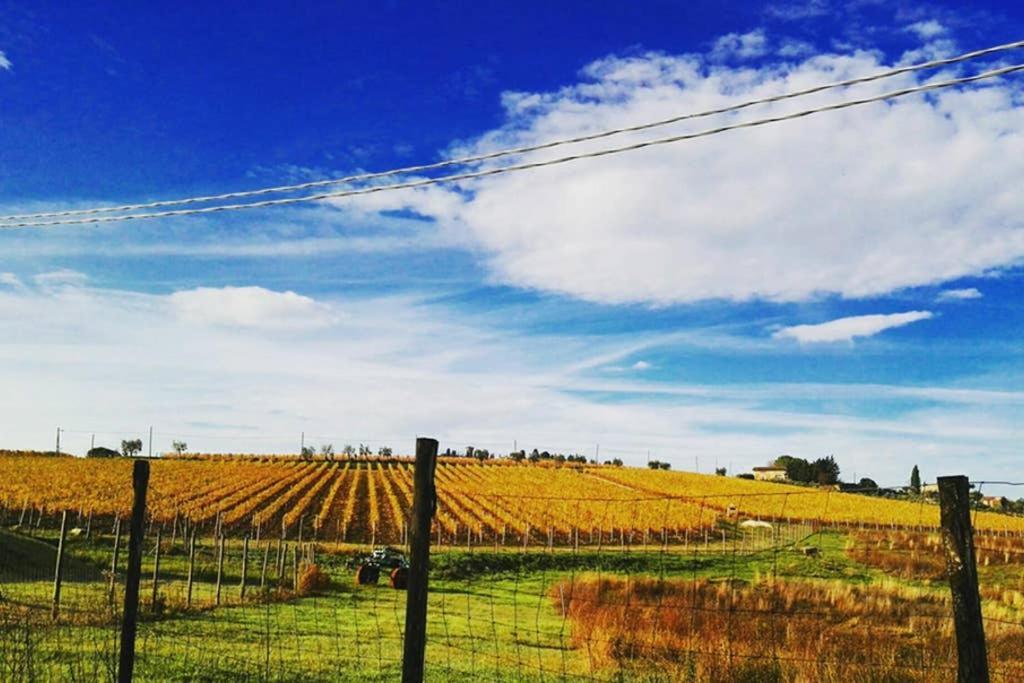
[113, 561]
[140, 483]
[295, 568]
[220, 567]
[191, 566]
[245, 567]
[424, 505]
[263, 569]
[961, 566]
[59, 569]
[156, 569]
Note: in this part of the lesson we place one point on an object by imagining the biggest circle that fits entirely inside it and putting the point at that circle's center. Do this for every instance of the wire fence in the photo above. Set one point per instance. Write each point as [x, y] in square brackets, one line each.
[523, 587]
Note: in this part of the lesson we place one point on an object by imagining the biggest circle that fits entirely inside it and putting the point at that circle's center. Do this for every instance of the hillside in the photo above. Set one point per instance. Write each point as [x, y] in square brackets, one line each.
[367, 499]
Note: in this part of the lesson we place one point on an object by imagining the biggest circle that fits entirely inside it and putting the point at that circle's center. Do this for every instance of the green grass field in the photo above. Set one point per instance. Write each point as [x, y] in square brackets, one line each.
[492, 615]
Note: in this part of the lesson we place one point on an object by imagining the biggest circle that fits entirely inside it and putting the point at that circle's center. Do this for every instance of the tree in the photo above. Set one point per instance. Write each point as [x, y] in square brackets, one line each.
[348, 451]
[384, 451]
[101, 452]
[653, 464]
[866, 483]
[797, 469]
[617, 462]
[665, 466]
[308, 452]
[364, 451]
[327, 450]
[179, 447]
[534, 455]
[915, 480]
[518, 456]
[826, 470]
[720, 471]
[131, 447]
[470, 451]
[482, 454]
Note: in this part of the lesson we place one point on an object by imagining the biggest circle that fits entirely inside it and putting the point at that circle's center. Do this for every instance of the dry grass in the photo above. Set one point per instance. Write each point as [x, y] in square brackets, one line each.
[799, 632]
[312, 579]
[919, 556]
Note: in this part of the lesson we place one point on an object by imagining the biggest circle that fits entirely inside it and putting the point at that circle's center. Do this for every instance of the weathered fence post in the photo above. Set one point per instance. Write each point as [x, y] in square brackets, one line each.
[958, 543]
[113, 561]
[156, 569]
[263, 569]
[424, 505]
[295, 568]
[58, 570]
[245, 567]
[191, 566]
[140, 482]
[220, 567]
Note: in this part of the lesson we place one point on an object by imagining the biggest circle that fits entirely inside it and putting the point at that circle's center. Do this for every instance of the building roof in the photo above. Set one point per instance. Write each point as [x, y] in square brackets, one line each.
[770, 468]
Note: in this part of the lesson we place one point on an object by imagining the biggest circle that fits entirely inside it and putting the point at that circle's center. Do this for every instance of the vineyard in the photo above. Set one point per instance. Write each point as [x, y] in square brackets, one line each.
[250, 570]
[366, 500]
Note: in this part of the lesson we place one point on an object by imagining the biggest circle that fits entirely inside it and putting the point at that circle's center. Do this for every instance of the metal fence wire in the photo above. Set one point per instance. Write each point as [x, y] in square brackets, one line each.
[617, 585]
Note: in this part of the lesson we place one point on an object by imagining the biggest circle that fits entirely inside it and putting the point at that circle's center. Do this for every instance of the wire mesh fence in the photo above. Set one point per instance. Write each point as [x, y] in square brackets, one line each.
[616, 585]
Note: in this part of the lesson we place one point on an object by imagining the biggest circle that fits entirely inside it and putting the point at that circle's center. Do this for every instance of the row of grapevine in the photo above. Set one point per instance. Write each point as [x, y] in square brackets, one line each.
[360, 501]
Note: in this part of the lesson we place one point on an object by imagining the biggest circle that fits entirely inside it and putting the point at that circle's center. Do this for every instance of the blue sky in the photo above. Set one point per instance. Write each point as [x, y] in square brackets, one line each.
[847, 284]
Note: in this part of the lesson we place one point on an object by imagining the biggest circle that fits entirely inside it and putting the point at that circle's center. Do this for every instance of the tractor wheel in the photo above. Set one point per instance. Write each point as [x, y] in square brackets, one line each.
[367, 574]
[400, 578]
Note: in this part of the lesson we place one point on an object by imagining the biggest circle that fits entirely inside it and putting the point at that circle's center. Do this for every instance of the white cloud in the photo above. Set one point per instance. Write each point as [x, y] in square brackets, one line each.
[740, 45]
[927, 29]
[847, 329]
[959, 294]
[641, 365]
[11, 280]
[60, 278]
[250, 307]
[795, 48]
[857, 203]
[5, 63]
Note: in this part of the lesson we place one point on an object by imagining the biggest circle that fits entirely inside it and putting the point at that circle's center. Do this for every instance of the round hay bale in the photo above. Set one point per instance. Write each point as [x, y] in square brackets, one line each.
[400, 578]
[367, 574]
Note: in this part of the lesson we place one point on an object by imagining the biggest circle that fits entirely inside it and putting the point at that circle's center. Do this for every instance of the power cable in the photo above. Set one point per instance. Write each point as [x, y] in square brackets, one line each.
[531, 165]
[529, 148]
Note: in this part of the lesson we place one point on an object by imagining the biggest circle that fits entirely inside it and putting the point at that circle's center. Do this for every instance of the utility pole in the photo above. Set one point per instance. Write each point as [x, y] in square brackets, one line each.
[302, 443]
[597, 453]
[92, 442]
[58, 440]
[151, 441]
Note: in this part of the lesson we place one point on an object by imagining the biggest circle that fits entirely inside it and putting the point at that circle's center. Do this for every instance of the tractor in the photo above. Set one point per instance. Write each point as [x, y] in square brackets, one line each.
[369, 567]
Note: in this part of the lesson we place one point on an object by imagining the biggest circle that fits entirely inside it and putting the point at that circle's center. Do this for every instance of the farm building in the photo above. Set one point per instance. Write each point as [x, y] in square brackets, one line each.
[994, 502]
[770, 473]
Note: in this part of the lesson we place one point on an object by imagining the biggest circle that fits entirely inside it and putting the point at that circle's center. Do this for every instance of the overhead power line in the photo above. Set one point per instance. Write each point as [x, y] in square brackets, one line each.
[285, 201]
[460, 161]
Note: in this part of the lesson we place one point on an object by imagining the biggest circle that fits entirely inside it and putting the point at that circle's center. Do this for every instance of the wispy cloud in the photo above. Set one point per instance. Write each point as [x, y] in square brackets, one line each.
[359, 375]
[5, 63]
[927, 29]
[959, 294]
[849, 328]
[740, 45]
